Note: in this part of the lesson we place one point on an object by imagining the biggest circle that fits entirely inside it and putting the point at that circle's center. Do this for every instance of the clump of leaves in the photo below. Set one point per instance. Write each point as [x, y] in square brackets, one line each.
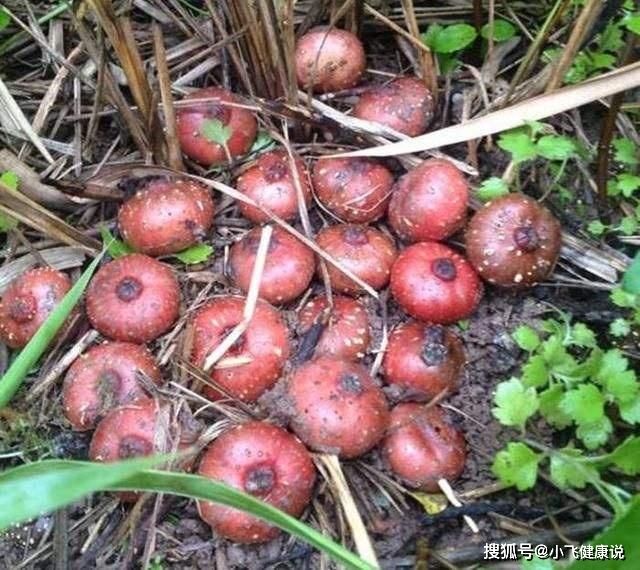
[627, 296]
[569, 383]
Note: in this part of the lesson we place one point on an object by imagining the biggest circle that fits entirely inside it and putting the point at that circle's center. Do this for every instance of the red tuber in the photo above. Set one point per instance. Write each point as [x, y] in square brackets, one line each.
[262, 460]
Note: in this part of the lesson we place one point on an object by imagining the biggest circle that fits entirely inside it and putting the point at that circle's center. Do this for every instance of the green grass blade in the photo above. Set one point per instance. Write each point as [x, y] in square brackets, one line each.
[197, 487]
[30, 490]
[30, 354]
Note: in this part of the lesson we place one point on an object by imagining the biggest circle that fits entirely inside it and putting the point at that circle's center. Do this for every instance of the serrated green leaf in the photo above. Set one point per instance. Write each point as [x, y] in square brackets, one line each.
[550, 408]
[492, 188]
[619, 327]
[566, 471]
[195, 254]
[582, 335]
[622, 387]
[449, 39]
[630, 411]
[596, 228]
[501, 31]
[526, 338]
[517, 465]
[600, 60]
[628, 226]
[621, 298]
[585, 404]
[611, 38]
[626, 151]
[535, 372]
[519, 144]
[556, 147]
[631, 279]
[627, 456]
[632, 22]
[627, 183]
[115, 247]
[515, 403]
[215, 131]
[595, 434]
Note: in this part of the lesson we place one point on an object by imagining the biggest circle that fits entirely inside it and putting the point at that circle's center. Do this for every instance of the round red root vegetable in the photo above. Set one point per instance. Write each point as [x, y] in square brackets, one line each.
[513, 241]
[103, 378]
[404, 104]
[345, 334]
[337, 407]
[329, 60]
[28, 301]
[288, 269]
[356, 190]
[429, 202]
[133, 298]
[423, 446]
[130, 431]
[262, 460]
[365, 251]
[255, 361]
[423, 360]
[166, 215]
[271, 184]
[194, 122]
[435, 284]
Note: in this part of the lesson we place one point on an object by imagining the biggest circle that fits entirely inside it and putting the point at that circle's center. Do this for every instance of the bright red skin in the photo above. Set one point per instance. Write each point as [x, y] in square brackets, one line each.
[288, 269]
[423, 360]
[265, 461]
[166, 216]
[265, 342]
[332, 59]
[493, 249]
[404, 104]
[356, 190]
[270, 183]
[189, 121]
[126, 432]
[134, 298]
[103, 378]
[365, 251]
[429, 202]
[423, 446]
[337, 407]
[346, 334]
[427, 297]
[28, 301]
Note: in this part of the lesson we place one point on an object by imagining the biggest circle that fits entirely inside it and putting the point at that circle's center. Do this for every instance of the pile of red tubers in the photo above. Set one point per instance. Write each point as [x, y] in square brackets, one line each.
[334, 403]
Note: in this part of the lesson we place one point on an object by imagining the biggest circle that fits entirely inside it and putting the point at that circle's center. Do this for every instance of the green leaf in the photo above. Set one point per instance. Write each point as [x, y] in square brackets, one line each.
[502, 31]
[115, 247]
[9, 178]
[596, 228]
[621, 386]
[582, 335]
[621, 298]
[600, 60]
[567, 471]
[611, 39]
[40, 487]
[31, 353]
[631, 279]
[449, 39]
[264, 142]
[632, 22]
[195, 254]
[585, 404]
[492, 188]
[515, 403]
[550, 407]
[623, 532]
[519, 144]
[630, 411]
[526, 338]
[619, 327]
[628, 226]
[556, 147]
[628, 183]
[517, 465]
[215, 131]
[627, 456]
[5, 19]
[611, 362]
[626, 151]
[595, 434]
[535, 372]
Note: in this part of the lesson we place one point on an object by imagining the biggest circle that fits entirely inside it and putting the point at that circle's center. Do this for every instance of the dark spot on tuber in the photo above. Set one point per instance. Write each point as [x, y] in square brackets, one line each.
[351, 383]
[23, 308]
[526, 238]
[444, 269]
[260, 480]
[129, 289]
[133, 446]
